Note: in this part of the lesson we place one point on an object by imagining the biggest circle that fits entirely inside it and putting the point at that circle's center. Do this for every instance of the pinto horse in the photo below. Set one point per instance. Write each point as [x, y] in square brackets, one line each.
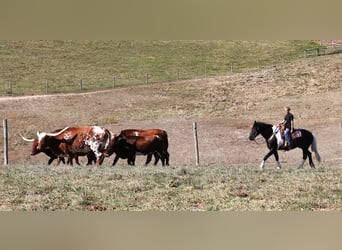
[274, 140]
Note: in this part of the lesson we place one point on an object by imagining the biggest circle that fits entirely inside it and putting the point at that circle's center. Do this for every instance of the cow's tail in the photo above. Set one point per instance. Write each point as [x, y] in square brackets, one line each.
[314, 149]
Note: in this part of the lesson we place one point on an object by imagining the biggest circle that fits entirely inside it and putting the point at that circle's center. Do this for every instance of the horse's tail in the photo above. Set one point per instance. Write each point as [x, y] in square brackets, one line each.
[314, 149]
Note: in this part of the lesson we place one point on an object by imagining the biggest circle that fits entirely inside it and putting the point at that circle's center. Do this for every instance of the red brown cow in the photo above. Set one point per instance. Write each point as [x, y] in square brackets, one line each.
[126, 147]
[164, 144]
[81, 140]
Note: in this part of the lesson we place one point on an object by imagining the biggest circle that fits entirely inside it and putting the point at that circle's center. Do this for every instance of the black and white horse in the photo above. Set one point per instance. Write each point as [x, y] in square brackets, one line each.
[274, 140]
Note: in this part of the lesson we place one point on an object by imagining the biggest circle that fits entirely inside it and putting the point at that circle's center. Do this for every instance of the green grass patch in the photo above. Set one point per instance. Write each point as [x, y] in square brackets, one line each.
[28, 67]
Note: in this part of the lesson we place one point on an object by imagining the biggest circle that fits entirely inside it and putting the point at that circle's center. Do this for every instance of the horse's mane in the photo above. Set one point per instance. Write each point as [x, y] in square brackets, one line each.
[263, 123]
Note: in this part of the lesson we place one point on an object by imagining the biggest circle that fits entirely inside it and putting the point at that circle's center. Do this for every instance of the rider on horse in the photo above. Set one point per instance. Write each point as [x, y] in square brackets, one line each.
[289, 126]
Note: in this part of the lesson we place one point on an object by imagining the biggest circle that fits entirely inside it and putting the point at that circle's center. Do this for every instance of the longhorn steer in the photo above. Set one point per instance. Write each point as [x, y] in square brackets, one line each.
[82, 140]
[53, 155]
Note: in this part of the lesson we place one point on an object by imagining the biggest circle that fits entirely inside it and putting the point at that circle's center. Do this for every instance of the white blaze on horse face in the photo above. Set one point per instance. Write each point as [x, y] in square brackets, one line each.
[276, 132]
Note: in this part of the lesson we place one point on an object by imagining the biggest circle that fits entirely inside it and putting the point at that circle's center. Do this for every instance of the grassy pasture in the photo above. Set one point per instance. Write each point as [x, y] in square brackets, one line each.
[26, 66]
[214, 188]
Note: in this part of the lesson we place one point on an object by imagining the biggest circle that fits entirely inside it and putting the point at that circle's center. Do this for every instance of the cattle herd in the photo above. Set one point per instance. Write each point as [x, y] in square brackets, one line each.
[97, 142]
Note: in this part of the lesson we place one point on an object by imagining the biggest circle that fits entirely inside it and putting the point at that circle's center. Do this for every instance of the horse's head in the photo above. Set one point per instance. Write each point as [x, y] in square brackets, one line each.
[255, 131]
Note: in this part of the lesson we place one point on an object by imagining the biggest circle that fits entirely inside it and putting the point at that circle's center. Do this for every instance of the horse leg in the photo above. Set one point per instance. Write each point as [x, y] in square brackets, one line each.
[312, 165]
[271, 152]
[276, 156]
[305, 155]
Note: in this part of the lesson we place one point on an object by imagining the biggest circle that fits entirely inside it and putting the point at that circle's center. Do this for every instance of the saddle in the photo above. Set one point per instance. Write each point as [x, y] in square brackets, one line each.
[295, 134]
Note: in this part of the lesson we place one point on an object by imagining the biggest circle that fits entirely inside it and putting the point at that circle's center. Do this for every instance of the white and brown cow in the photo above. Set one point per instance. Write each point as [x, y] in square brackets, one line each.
[82, 140]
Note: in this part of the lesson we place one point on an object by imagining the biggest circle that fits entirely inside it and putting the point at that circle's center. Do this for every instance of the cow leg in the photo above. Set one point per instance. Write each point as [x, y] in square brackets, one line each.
[76, 160]
[50, 160]
[115, 160]
[131, 160]
[162, 157]
[148, 159]
[167, 158]
[100, 160]
[70, 161]
[156, 158]
[61, 159]
[91, 158]
[166, 155]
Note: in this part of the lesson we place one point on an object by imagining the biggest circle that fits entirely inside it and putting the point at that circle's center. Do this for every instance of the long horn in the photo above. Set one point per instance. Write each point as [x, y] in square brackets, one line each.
[42, 134]
[26, 139]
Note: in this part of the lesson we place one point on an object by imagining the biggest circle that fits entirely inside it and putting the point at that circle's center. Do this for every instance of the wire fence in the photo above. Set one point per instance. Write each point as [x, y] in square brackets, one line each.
[174, 74]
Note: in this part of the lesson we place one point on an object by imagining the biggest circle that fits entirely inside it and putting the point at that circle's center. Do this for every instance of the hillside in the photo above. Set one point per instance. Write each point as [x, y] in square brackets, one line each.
[224, 106]
[26, 66]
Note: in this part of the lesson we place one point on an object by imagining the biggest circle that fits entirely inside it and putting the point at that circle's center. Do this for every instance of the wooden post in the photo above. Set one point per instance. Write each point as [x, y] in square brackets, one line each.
[81, 83]
[5, 142]
[177, 74]
[10, 88]
[113, 81]
[231, 67]
[47, 87]
[146, 77]
[194, 126]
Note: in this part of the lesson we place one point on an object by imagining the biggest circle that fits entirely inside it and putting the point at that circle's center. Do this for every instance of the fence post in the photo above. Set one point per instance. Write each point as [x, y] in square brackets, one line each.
[146, 77]
[10, 88]
[113, 81]
[81, 83]
[5, 141]
[177, 74]
[194, 126]
[47, 87]
[231, 67]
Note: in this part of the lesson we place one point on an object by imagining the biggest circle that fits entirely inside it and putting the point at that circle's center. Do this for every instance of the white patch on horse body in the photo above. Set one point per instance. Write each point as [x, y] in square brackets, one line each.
[276, 133]
[135, 133]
